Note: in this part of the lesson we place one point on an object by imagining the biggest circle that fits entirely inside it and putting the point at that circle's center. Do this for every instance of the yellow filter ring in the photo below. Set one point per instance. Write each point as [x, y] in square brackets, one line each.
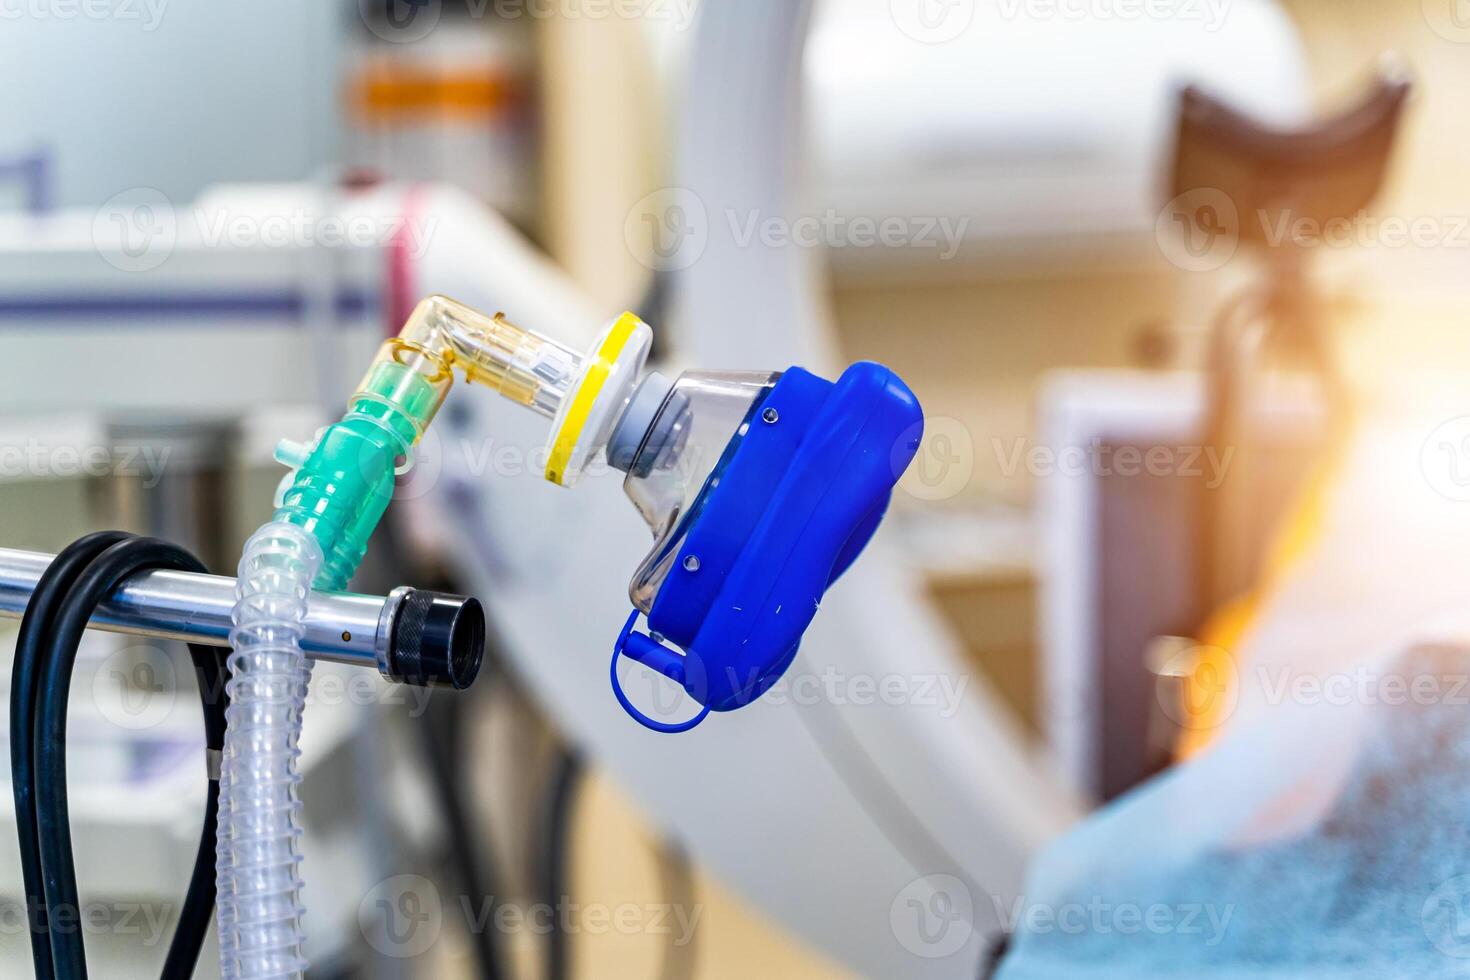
[606, 383]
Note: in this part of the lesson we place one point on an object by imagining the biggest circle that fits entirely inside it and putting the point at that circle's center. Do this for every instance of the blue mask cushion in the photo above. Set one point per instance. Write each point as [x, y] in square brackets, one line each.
[800, 496]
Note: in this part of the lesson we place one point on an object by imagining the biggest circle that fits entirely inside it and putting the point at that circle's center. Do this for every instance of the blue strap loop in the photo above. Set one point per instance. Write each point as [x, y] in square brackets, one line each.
[638, 716]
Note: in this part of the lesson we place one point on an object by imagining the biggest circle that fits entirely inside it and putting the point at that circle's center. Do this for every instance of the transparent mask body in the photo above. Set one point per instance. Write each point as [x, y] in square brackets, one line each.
[690, 442]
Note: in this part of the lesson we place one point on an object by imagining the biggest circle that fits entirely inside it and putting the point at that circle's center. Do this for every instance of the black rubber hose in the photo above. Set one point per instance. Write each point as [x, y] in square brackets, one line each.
[995, 954]
[198, 910]
[676, 875]
[556, 859]
[25, 678]
[94, 584]
[467, 861]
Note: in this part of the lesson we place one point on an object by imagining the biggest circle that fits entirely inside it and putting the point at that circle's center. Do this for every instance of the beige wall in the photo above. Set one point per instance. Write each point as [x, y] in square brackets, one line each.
[1344, 39]
[975, 352]
[1405, 310]
[617, 862]
[602, 143]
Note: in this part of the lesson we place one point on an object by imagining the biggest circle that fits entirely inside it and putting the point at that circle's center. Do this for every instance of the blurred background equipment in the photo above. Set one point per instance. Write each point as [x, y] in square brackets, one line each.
[1261, 429]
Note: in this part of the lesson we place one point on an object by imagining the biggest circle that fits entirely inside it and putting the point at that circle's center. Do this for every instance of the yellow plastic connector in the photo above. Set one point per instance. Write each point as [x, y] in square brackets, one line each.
[443, 335]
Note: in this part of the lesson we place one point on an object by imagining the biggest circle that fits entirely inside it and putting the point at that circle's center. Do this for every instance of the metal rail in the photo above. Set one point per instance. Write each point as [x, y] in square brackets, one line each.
[341, 627]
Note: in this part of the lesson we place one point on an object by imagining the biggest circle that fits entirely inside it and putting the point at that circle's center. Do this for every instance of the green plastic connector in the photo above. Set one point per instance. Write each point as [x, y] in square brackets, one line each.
[342, 486]
[340, 492]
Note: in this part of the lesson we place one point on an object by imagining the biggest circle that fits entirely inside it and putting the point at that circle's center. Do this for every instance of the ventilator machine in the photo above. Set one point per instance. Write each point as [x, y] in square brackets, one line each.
[760, 489]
